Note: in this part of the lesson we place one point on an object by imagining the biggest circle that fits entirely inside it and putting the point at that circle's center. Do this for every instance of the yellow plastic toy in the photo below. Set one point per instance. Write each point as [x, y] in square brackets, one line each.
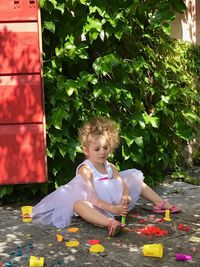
[72, 243]
[167, 216]
[26, 213]
[98, 248]
[59, 238]
[73, 230]
[153, 250]
[36, 261]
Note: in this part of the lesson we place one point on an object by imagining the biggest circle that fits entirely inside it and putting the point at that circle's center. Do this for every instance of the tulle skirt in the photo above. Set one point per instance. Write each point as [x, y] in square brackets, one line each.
[57, 208]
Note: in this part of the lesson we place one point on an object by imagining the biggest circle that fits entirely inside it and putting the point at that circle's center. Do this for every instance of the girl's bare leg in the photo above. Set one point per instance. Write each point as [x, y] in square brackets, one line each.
[152, 196]
[87, 211]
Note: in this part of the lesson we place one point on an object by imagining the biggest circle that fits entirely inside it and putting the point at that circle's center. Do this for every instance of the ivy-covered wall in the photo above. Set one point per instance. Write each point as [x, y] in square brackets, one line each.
[116, 58]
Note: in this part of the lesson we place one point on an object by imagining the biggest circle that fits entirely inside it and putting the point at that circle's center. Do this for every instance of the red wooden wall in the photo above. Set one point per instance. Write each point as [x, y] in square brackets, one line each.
[22, 118]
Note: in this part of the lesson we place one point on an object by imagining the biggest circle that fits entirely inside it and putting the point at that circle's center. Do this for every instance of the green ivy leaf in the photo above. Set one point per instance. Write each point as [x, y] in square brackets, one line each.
[49, 25]
[63, 150]
[179, 5]
[57, 117]
[103, 59]
[138, 119]
[72, 148]
[139, 141]
[128, 138]
[125, 152]
[104, 65]
[190, 115]
[154, 121]
[44, 188]
[54, 2]
[83, 2]
[61, 8]
[41, 3]
[184, 131]
[5, 190]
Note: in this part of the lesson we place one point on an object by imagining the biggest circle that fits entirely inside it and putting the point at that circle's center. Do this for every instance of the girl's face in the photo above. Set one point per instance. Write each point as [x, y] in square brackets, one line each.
[98, 149]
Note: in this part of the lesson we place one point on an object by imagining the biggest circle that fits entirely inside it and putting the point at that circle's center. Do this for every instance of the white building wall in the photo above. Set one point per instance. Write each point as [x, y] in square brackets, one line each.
[186, 27]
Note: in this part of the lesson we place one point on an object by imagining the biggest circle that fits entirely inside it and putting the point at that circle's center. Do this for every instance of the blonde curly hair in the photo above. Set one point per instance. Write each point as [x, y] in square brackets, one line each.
[99, 126]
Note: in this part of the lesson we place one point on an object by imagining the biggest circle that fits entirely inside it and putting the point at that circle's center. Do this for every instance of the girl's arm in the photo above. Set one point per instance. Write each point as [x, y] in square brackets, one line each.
[87, 175]
[126, 199]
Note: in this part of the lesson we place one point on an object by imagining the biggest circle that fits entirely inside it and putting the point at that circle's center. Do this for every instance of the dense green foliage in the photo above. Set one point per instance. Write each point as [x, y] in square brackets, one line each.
[116, 58]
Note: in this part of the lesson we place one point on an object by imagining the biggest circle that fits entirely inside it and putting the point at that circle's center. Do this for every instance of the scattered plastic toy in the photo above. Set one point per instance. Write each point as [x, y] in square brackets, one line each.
[98, 248]
[19, 251]
[36, 261]
[93, 241]
[12, 253]
[195, 239]
[152, 217]
[30, 245]
[59, 238]
[152, 231]
[159, 220]
[8, 264]
[153, 250]
[183, 257]
[183, 227]
[26, 213]
[167, 216]
[143, 221]
[60, 262]
[73, 230]
[137, 215]
[123, 220]
[72, 243]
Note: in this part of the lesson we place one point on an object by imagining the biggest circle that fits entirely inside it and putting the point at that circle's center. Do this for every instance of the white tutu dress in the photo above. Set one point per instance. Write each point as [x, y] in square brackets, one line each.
[57, 207]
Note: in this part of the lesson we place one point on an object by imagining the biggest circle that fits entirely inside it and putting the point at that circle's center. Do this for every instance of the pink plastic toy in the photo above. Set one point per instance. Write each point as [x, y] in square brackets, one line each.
[183, 257]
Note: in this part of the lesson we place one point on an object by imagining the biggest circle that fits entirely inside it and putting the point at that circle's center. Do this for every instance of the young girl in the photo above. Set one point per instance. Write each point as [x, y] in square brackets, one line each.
[98, 192]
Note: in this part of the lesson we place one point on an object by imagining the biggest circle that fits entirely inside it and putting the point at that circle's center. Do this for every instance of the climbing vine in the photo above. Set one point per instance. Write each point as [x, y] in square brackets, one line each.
[116, 58]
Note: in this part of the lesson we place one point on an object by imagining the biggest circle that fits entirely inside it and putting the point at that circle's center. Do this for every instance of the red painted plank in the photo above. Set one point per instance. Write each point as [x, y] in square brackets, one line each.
[21, 99]
[19, 48]
[22, 154]
[18, 10]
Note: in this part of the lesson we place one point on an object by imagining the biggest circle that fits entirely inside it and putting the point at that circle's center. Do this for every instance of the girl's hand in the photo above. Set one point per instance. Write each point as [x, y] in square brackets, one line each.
[120, 210]
[126, 199]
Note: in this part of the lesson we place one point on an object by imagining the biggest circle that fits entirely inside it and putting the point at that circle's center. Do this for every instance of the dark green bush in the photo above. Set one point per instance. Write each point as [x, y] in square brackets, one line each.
[116, 58]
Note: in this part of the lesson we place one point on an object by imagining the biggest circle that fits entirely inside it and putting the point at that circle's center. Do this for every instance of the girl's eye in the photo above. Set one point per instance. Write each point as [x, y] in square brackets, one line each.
[96, 149]
[105, 147]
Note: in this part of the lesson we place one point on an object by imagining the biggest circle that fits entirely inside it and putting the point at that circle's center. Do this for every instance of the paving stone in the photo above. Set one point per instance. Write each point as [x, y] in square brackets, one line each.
[20, 240]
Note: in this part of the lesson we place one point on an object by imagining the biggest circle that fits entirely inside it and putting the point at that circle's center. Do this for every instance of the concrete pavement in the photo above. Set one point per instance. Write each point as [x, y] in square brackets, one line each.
[21, 240]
